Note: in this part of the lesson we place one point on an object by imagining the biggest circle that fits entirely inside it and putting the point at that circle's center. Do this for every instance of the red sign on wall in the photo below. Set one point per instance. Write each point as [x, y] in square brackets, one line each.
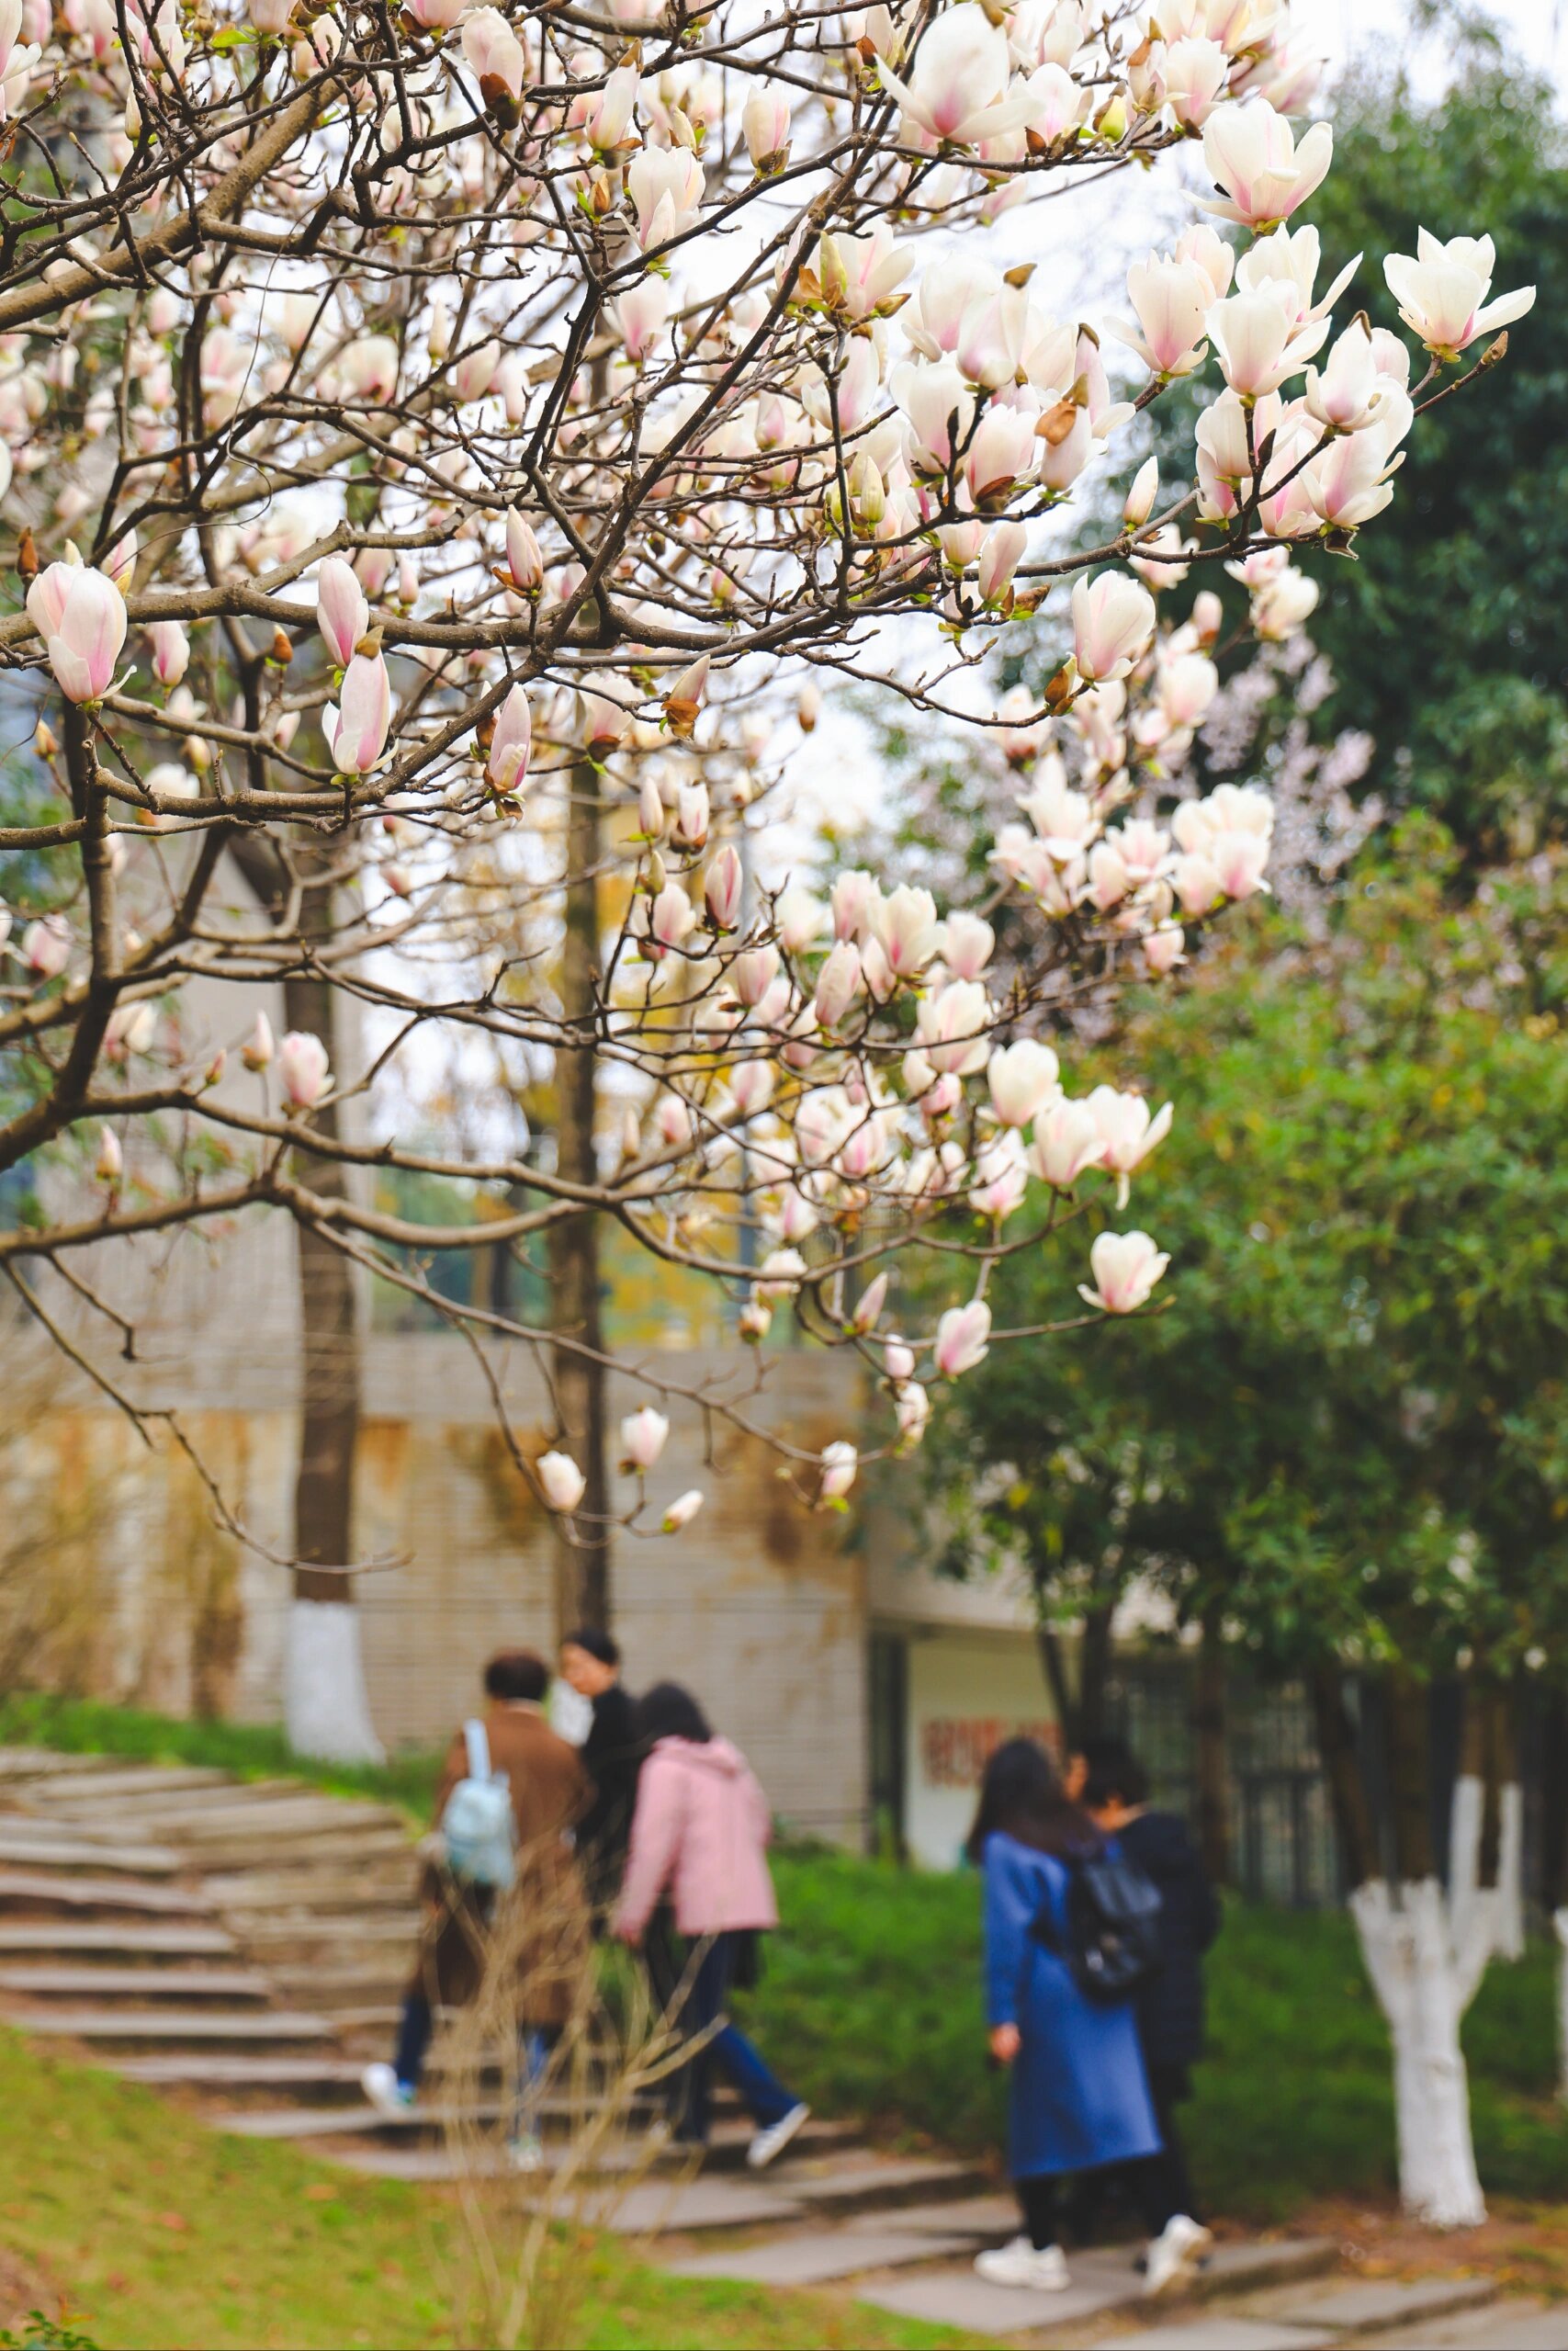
[956, 1748]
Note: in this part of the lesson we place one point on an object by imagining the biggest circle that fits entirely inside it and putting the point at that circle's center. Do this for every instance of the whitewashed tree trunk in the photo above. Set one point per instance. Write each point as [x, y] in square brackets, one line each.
[1465, 1817]
[1559, 1920]
[1424, 1980]
[326, 1710]
[1511, 1872]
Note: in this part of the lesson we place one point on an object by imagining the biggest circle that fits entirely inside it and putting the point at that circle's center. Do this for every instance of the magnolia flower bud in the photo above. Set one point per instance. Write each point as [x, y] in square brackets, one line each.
[754, 1320]
[524, 560]
[840, 1462]
[868, 1311]
[682, 1510]
[302, 1066]
[691, 815]
[651, 811]
[764, 124]
[1141, 498]
[110, 1162]
[257, 1050]
[642, 1438]
[684, 698]
[724, 889]
[561, 1482]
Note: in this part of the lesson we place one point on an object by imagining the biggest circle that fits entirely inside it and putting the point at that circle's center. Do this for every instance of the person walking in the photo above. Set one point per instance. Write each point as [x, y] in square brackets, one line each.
[698, 1840]
[548, 1790]
[1115, 1794]
[611, 1753]
[1080, 2099]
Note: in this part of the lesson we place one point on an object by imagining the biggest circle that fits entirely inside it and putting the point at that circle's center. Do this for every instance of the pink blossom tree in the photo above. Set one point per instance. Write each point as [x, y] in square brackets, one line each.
[451, 456]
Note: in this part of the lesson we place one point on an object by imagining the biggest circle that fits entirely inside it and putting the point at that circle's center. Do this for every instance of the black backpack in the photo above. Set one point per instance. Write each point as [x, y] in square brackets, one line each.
[1112, 1943]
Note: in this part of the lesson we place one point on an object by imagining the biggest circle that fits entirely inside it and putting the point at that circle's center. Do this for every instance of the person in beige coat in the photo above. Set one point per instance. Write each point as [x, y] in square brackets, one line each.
[550, 1791]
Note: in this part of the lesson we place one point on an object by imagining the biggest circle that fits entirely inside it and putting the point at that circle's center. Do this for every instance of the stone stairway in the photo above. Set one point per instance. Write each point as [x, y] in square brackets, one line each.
[245, 1946]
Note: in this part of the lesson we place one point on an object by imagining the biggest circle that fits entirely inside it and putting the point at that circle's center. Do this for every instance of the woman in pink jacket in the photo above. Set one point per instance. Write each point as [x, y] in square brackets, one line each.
[698, 1844]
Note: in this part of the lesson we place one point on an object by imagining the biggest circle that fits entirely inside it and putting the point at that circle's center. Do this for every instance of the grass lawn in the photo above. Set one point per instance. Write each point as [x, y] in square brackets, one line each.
[156, 2230]
[253, 1750]
[870, 2002]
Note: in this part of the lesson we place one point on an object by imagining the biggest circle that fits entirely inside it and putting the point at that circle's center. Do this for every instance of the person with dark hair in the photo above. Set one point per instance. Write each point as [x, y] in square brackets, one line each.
[1078, 2096]
[611, 1753]
[1114, 1791]
[699, 1843]
[510, 1748]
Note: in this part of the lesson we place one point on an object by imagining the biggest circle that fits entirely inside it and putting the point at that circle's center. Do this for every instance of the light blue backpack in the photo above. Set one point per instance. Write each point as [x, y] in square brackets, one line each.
[478, 1828]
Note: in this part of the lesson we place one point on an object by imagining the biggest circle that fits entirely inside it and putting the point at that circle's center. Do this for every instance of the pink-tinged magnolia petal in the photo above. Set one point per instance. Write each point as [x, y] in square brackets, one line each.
[73, 674]
[341, 612]
[507, 766]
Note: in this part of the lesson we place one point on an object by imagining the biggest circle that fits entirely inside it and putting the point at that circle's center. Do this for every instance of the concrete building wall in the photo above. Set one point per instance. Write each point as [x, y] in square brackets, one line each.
[758, 1604]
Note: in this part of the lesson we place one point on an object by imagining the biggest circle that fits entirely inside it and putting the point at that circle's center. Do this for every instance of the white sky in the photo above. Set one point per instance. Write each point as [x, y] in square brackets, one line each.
[1539, 28]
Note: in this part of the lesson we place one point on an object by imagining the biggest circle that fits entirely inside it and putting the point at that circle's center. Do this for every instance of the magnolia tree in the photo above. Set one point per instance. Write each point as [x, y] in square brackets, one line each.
[442, 447]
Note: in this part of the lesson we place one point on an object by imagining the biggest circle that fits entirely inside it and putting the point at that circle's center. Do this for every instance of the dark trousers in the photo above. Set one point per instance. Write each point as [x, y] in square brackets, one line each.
[697, 1997]
[1148, 2180]
[533, 2045]
[1158, 2183]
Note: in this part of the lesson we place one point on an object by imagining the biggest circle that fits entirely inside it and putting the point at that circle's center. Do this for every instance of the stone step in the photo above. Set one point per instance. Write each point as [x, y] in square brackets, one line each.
[1102, 2284]
[657, 2208]
[1219, 2331]
[39, 1844]
[327, 1879]
[880, 2184]
[71, 1939]
[326, 1930]
[1515, 2324]
[42, 1982]
[323, 2077]
[23, 1763]
[83, 1791]
[817, 2256]
[38, 1889]
[301, 2122]
[209, 2026]
[1368, 2307]
[275, 1814]
[237, 1858]
[431, 2120]
[350, 1989]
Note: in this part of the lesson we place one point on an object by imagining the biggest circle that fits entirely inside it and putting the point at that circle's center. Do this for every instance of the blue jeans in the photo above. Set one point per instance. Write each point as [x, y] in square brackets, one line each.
[763, 2094]
[533, 2046]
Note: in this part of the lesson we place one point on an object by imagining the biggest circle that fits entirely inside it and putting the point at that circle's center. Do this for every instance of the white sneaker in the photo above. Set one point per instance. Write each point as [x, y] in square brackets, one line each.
[1174, 2252]
[525, 2153]
[1021, 2264]
[775, 2138]
[385, 2091]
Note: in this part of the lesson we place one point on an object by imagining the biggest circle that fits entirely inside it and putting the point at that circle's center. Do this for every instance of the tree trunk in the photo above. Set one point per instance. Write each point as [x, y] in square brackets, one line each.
[1486, 1835]
[1209, 1741]
[326, 1710]
[1560, 1921]
[1410, 1776]
[1554, 1803]
[1094, 1672]
[1054, 1662]
[582, 1547]
[1424, 1989]
[1347, 1795]
[1505, 1819]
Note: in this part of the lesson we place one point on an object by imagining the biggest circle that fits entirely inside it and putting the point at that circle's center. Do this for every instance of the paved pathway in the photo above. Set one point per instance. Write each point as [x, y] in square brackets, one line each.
[246, 1943]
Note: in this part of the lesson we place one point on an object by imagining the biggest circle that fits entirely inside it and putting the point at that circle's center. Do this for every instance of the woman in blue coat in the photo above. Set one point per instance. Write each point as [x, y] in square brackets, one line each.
[1079, 2094]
